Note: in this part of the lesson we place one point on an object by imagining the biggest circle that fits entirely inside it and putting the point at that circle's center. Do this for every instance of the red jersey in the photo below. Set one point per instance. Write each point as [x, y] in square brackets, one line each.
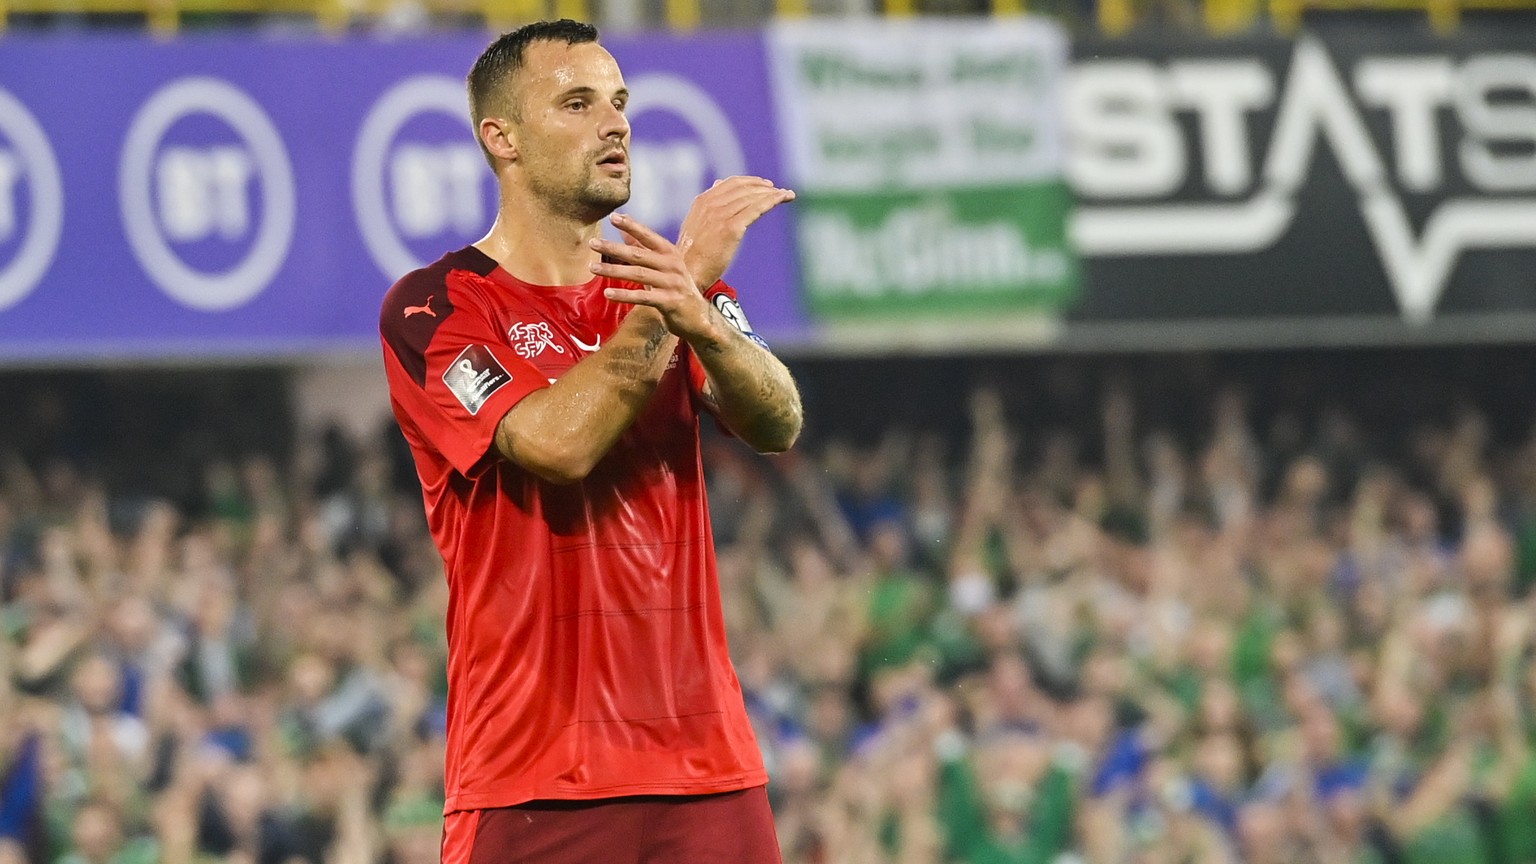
[586, 647]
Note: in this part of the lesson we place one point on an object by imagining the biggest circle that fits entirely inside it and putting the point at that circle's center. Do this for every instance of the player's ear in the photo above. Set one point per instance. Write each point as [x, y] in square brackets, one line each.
[499, 138]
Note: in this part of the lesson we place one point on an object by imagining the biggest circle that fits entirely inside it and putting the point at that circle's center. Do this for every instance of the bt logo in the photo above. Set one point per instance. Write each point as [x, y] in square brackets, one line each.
[437, 188]
[31, 202]
[419, 183]
[207, 194]
[10, 175]
[204, 192]
[681, 143]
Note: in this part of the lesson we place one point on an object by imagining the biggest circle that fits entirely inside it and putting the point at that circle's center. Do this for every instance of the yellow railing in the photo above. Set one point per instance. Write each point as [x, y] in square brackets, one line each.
[1444, 15]
[793, 9]
[166, 16]
[1114, 17]
[1225, 17]
[1228, 17]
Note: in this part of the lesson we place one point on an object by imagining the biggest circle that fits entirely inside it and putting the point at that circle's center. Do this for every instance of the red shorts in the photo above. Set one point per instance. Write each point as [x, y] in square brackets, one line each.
[728, 828]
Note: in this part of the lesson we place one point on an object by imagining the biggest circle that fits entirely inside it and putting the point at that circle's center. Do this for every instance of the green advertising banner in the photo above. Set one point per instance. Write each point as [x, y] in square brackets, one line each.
[928, 157]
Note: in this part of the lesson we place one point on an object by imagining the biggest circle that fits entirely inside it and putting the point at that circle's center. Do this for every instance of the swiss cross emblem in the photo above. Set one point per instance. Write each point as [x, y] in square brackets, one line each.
[530, 340]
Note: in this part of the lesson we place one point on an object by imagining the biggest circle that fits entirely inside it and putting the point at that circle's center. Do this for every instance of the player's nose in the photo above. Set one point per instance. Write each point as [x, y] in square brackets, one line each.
[614, 124]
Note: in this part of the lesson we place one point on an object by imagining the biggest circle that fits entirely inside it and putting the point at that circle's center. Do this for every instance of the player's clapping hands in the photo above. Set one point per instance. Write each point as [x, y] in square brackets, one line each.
[718, 220]
[651, 260]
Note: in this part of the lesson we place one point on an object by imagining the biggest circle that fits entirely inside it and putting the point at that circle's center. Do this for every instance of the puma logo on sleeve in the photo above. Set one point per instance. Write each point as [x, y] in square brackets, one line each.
[425, 307]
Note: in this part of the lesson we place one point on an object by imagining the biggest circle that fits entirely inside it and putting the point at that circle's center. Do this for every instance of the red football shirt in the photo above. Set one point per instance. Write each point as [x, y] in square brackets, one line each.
[586, 648]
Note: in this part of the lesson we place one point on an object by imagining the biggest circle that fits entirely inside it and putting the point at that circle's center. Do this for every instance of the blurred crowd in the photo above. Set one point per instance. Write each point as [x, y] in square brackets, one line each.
[1237, 641]
[255, 675]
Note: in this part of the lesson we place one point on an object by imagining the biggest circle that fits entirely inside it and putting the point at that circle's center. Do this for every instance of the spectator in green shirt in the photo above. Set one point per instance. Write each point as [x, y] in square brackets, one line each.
[97, 838]
[1009, 802]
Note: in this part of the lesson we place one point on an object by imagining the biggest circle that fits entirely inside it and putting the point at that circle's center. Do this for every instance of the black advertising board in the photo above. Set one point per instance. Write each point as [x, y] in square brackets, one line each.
[1364, 182]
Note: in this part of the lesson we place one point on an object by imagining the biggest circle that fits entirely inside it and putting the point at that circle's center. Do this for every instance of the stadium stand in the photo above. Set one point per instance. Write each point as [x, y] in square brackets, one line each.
[1272, 611]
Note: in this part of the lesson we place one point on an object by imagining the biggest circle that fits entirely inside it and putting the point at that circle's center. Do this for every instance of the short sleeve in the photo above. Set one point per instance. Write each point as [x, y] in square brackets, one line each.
[453, 375]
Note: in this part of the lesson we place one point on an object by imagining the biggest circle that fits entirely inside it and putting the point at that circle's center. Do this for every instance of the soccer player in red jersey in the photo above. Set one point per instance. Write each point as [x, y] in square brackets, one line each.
[551, 383]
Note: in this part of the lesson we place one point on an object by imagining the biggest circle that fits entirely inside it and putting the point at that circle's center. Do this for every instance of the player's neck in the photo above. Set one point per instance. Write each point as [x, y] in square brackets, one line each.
[540, 247]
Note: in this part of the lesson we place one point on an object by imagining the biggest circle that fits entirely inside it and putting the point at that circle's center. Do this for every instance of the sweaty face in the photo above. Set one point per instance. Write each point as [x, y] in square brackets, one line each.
[573, 138]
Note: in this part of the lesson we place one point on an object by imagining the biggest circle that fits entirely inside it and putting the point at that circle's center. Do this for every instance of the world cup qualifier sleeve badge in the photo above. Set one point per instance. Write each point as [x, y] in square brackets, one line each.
[474, 376]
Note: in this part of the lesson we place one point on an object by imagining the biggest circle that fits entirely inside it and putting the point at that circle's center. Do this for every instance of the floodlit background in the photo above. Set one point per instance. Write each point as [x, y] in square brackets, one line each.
[1168, 490]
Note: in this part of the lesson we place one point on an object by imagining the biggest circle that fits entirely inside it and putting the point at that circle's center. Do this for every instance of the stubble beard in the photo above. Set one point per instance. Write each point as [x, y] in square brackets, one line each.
[601, 195]
[587, 199]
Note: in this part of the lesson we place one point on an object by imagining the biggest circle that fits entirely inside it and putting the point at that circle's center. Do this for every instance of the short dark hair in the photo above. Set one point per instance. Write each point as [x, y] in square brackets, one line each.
[505, 56]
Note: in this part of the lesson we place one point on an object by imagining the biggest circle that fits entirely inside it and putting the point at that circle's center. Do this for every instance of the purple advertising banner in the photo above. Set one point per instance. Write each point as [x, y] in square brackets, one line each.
[228, 197]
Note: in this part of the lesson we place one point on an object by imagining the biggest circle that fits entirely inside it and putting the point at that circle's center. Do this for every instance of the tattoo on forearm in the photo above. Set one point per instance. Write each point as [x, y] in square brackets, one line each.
[768, 413]
[653, 344]
[781, 410]
[627, 362]
[638, 363]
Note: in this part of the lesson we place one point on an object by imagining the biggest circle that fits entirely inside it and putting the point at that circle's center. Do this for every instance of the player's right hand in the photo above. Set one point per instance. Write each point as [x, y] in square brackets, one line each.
[658, 266]
[718, 220]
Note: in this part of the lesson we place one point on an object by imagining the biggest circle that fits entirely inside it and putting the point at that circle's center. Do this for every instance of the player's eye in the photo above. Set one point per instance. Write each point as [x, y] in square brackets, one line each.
[576, 105]
[620, 104]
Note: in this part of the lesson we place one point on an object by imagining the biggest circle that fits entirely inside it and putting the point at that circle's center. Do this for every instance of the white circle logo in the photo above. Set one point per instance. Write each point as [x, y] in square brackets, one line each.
[204, 192]
[436, 188]
[669, 173]
[34, 162]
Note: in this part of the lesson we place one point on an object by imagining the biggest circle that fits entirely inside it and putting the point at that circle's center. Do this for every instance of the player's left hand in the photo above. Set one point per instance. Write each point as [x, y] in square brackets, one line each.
[657, 263]
[719, 218]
